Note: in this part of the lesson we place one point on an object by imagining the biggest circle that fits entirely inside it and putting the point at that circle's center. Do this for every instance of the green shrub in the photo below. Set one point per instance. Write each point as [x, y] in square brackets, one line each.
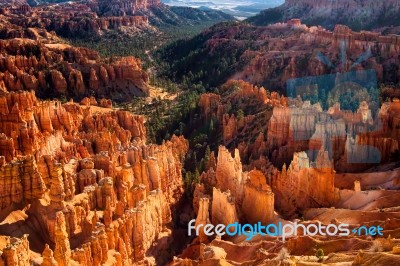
[320, 254]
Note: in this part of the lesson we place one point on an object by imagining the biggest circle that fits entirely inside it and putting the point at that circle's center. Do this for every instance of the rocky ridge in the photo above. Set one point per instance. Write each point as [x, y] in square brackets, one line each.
[271, 55]
[54, 70]
[359, 15]
[71, 20]
[103, 19]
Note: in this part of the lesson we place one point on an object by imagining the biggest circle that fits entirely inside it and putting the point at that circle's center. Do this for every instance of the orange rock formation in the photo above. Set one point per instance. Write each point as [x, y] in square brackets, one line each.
[93, 190]
[67, 68]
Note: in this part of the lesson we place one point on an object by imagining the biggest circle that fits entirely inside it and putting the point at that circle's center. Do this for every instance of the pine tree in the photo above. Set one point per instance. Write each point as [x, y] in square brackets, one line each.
[196, 177]
[240, 114]
[211, 129]
[207, 155]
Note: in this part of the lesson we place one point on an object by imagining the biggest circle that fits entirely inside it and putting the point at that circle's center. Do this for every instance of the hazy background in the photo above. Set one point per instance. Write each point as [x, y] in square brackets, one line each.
[238, 8]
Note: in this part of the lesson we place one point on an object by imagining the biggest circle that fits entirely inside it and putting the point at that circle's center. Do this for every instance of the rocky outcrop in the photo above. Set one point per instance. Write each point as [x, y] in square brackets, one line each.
[223, 210]
[57, 189]
[117, 80]
[118, 7]
[62, 251]
[304, 185]
[86, 181]
[209, 103]
[354, 140]
[237, 194]
[258, 199]
[229, 175]
[203, 218]
[48, 258]
[69, 20]
[58, 82]
[21, 182]
[278, 127]
[16, 252]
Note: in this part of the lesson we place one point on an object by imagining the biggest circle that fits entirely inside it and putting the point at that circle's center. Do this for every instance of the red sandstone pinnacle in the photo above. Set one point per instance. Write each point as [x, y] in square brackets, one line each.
[48, 258]
[203, 218]
[16, 252]
[237, 190]
[62, 251]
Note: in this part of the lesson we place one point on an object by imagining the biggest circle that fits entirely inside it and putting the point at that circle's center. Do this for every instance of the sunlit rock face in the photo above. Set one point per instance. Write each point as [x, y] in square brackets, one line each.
[94, 191]
[23, 69]
[236, 195]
